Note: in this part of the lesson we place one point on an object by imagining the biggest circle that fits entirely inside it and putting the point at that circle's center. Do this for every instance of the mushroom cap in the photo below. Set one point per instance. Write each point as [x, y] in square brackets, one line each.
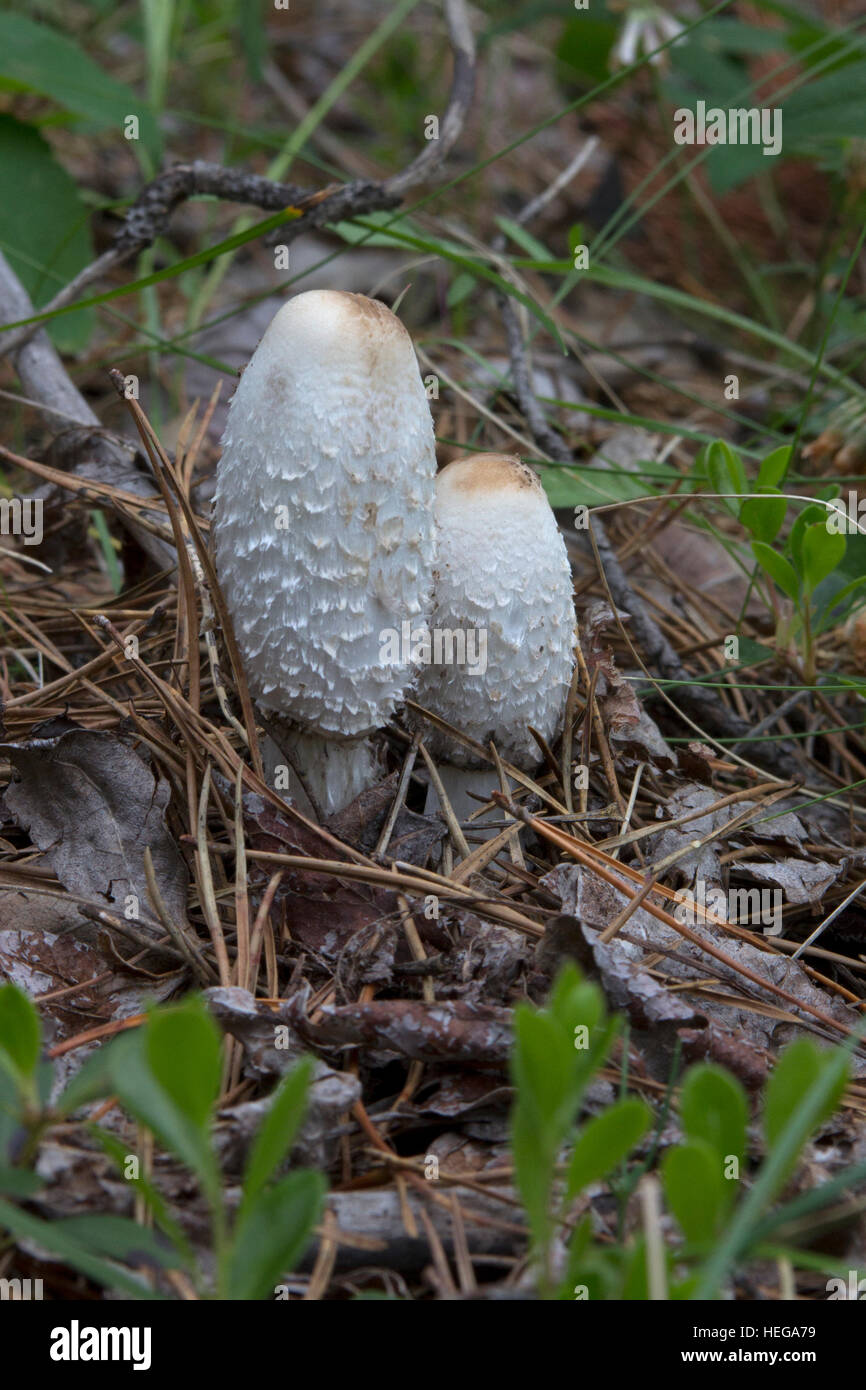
[323, 511]
[501, 567]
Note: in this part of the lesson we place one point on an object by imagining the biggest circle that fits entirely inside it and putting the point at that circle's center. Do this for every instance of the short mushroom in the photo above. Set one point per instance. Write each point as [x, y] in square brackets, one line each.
[324, 530]
[501, 584]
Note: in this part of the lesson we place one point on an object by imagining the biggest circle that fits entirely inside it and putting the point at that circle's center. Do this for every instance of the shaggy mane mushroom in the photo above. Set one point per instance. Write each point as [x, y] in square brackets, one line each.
[501, 572]
[324, 531]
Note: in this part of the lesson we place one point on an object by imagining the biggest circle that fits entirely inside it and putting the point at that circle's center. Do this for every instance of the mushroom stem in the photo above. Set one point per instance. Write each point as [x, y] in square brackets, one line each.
[459, 783]
[320, 774]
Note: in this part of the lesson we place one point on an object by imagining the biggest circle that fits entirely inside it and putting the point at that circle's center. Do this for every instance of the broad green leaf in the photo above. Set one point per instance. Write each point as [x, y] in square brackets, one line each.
[117, 1237]
[804, 1110]
[273, 1234]
[713, 1107]
[575, 1002]
[827, 107]
[20, 1030]
[278, 1129]
[694, 1184]
[797, 1069]
[822, 551]
[183, 1051]
[604, 1141]
[801, 1068]
[44, 229]
[592, 487]
[764, 516]
[534, 1168]
[19, 1182]
[774, 467]
[36, 58]
[52, 1236]
[143, 1096]
[542, 1068]
[780, 570]
[556, 1052]
[585, 45]
[10, 1121]
[460, 288]
[727, 474]
[809, 516]
[634, 1288]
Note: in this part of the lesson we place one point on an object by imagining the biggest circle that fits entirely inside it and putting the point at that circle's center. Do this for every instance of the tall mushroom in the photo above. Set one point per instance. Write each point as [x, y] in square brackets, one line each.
[324, 531]
[501, 579]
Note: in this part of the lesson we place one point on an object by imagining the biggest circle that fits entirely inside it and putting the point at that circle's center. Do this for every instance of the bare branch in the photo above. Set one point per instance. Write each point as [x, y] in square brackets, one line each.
[425, 164]
[107, 458]
[149, 215]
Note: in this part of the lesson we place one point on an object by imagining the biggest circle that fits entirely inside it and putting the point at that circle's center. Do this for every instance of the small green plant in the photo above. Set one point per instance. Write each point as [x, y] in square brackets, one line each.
[724, 1223]
[166, 1075]
[807, 568]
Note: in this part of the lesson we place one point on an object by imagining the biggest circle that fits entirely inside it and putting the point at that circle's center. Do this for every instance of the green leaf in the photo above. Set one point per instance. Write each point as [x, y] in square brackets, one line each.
[827, 107]
[780, 570]
[277, 1130]
[726, 473]
[36, 58]
[838, 604]
[695, 1189]
[713, 1108]
[44, 229]
[799, 1072]
[118, 1238]
[183, 1051]
[460, 288]
[774, 467]
[19, 1182]
[10, 1115]
[542, 1067]
[764, 515]
[273, 1234]
[250, 22]
[534, 1169]
[635, 1282]
[806, 1110]
[798, 1069]
[822, 552]
[524, 239]
[143, 1096]
[53, 1236]
[20, 1031]
[586, 44]
[809, 516]
[604, 1141]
